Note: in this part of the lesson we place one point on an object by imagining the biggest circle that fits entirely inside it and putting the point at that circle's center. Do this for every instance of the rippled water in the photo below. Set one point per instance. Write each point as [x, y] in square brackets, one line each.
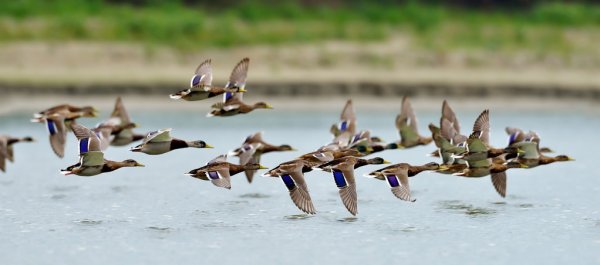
[157, 215]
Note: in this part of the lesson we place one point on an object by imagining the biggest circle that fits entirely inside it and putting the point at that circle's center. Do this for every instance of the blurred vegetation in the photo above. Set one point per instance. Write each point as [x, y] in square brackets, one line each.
[189, 25]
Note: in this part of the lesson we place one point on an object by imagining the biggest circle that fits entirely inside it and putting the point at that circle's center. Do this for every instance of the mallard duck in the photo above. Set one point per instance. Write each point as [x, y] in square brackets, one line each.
[232, 105]
[478, 146]
[343, 175]
[160, 142]
[516, 135]
[70, 112]
[396, 177]
[450, 142]
[91, 158]
[532, 156]
[58, 120]
[121, 126]
[201, 83]
[219, 171]
[292, 175]
[450, 117]
[321, 156]
[347, 121]
[497, 171]
[406, 123]
[363, 142]
[412, 170]
[7, 150]
[255, 141]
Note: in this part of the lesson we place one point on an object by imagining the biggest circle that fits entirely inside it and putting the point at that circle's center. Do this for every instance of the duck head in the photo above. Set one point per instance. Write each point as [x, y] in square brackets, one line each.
[131, 163]
[262, 105]
[199, 144]
[377, 161]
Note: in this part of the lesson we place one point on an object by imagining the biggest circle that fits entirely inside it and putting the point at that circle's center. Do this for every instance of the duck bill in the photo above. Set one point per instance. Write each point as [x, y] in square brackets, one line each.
[443, 167]
[262, 167]
[386, 162]
[140, 165]
[208, 146]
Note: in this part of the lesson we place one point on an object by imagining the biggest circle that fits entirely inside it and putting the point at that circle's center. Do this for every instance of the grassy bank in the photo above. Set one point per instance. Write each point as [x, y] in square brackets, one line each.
[544, 28]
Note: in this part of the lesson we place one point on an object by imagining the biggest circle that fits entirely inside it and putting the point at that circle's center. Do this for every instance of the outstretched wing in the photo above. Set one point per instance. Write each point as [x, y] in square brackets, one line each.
[218, 159]
[203, 76]
[397, 179]
[120, 112]
[499, 182]
[3, 154]
[407, 115]
[163, 135]
[448, 113]
[247, 151]
[88, 140]
[239, 74]
[58, 133]
[344, 180]
[482, 126]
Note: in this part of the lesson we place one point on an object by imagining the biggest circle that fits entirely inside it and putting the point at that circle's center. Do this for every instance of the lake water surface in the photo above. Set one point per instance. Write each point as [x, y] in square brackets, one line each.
[156, 215]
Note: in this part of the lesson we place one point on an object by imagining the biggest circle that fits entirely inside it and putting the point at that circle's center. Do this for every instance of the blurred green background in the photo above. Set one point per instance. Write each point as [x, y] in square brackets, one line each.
[492, 34]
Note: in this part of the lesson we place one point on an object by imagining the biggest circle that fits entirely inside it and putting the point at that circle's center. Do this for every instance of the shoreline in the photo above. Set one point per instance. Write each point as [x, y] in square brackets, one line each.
[14, 103]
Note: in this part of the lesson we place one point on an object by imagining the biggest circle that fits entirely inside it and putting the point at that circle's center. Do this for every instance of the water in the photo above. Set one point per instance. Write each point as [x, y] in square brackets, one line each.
[157, 215]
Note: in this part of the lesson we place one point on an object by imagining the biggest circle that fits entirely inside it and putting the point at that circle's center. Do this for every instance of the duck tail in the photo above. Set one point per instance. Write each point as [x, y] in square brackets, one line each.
[136, 149]
[179, 94]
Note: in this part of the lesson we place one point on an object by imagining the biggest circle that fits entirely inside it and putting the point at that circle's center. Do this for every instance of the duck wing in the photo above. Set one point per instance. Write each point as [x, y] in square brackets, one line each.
[88, 140]
[255, 159]
[58, 133]
[448, 114]
[481, 127]
[159, 136]
[239, 74]
[499, 182]
[343, 175]
[202, 79]
[219, 176]
[397, 179]
[3, 154]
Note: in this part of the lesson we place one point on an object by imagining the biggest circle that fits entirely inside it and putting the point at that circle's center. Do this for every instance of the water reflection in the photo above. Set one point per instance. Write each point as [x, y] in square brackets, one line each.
[468, 209]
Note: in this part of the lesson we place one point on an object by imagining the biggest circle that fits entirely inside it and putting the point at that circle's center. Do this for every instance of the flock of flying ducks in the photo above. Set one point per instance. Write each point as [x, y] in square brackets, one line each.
[466, 156]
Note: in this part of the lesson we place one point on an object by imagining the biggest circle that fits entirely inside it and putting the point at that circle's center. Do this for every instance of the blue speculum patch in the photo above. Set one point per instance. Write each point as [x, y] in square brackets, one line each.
[339, 178]
[196, 80]
[393, 181]
[512, 138]
[51, 126]
[213, 175]
[344, 126]
[288, 181]
[228, 95]
[83, 145]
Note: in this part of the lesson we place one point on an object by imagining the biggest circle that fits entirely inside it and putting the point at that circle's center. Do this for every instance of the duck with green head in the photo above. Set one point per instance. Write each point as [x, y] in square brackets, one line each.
[161, 141]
